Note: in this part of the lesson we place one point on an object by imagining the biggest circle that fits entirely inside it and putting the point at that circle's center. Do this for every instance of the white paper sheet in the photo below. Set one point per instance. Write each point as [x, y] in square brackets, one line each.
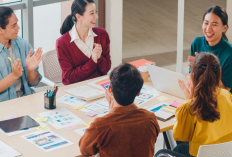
[7, 151]
[47, 140]
[101, 107]
[97, 83]
[146, 94]
[70, 100]
[81, 131]
[86, 93]
[61, 118]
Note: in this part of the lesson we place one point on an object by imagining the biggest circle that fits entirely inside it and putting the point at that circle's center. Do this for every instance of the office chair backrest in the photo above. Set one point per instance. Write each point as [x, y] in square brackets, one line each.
[51, 67]
[216, 150]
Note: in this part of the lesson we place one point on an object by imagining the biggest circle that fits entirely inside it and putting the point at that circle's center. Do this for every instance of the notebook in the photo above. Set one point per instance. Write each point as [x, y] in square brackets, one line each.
[86, 93]
[165, 113]
[140, 62]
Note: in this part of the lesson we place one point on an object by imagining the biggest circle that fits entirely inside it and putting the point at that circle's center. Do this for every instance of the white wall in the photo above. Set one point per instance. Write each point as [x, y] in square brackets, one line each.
[229, 12]
[114, 9]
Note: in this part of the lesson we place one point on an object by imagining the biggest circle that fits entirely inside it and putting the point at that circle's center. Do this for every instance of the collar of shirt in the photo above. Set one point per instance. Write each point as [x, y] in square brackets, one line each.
[125, 108]
[75, 36]
[3, 46]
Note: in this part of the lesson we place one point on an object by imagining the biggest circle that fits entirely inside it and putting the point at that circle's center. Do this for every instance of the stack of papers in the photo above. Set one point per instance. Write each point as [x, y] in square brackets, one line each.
[86, 93]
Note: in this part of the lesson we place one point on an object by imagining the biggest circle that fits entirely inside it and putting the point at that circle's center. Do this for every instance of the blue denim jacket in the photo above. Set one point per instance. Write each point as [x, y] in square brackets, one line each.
[21, 49]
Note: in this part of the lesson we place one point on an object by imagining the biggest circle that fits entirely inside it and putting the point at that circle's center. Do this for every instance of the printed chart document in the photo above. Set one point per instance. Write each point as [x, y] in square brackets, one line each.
[97, 83]
[86, 93]
[70, 100]
[101, 107]
[61, 118]
[163, 111]
[7, 151]
[47, 140]
[146, 94]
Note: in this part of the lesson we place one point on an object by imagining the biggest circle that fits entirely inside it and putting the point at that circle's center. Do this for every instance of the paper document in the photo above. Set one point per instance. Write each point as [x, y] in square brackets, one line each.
[70, 100]
[61, 118]
[86, 93]
[100, 107]
[163, 111]
[47, 140]
[97, 83]
[146, 94]
[7, 151]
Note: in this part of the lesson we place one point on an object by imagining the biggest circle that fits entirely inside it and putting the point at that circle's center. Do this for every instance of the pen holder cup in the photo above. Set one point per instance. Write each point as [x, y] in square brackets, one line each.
[49, 103]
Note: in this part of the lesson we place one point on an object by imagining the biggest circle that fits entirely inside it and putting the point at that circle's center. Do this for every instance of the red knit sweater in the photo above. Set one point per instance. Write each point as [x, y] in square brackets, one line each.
[75, 65]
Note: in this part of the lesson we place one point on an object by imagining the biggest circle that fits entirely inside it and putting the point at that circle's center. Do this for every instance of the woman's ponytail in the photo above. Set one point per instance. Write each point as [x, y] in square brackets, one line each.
[205, 74]
[78, 7]
[67, 25]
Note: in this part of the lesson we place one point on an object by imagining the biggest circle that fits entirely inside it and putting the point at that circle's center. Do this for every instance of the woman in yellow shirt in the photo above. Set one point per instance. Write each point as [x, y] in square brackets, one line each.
[206, 118]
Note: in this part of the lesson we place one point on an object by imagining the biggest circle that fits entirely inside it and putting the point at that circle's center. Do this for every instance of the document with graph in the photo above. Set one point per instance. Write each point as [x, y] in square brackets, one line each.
[163, 111]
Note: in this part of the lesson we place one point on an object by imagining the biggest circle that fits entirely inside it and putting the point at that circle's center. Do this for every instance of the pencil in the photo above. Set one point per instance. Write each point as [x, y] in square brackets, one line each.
[11, 61]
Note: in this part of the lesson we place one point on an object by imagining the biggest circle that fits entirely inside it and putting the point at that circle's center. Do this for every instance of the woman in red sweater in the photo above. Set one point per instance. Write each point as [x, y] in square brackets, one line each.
[83, 50]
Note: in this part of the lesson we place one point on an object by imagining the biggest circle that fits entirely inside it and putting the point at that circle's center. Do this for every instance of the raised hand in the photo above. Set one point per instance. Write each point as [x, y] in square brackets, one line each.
[32, 61]
[184, 89]
[191, 58]
[17, 69]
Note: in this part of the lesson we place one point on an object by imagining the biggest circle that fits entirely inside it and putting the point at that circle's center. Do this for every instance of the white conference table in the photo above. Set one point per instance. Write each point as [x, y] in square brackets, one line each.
[33, 104]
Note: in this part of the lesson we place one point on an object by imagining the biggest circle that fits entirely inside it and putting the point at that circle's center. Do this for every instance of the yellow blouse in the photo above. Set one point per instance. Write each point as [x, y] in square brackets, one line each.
[199, 132]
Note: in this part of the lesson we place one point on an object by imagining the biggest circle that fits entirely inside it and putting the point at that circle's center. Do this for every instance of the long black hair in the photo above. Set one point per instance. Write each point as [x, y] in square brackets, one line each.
[5, 13]
[221, 13]
[78, 7]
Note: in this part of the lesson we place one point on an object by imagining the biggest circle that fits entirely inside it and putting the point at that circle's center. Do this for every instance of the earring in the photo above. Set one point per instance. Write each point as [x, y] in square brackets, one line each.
[74, 19]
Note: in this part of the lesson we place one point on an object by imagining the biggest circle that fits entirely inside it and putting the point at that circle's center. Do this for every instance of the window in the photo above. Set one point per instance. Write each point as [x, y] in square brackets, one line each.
[8, 1]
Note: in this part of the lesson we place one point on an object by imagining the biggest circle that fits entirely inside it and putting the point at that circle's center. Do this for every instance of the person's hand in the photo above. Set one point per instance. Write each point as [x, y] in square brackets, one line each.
[17, 69]
[191, 91]
[98, 50]
[191, 59]
[184, 89]
[94, 56]
[110, 99]
[189, 82]
[33, 61]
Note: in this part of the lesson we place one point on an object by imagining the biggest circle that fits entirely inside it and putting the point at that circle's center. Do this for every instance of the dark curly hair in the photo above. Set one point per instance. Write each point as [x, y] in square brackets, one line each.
[126, 82]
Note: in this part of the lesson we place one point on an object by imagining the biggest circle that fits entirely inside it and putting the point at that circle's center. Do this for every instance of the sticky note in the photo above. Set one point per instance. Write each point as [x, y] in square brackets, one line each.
[175, 104]
[87, 124]
[41, 119]
[10, 117]
[49, 119]
[162, 98]
[71, 127]
[78, 108]
[91, 114]
[42, 128]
